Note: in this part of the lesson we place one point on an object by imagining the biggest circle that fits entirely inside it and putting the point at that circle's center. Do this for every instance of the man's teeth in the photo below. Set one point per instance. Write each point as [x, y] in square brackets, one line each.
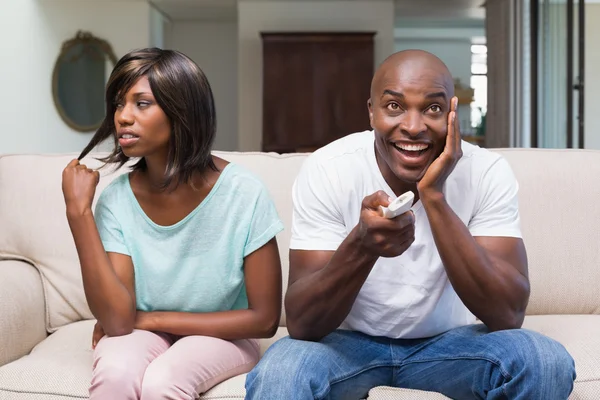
[412, 147]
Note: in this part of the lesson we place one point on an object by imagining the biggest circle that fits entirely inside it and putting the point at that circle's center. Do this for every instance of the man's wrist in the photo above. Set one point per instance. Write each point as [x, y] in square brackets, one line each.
[357, 242]
[431, 197]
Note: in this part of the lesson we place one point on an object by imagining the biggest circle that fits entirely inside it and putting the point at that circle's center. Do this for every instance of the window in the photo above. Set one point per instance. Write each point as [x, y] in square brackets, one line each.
[478, 81]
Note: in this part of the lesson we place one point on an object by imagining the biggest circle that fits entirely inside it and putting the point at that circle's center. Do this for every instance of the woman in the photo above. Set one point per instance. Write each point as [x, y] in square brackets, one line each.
[179, 263]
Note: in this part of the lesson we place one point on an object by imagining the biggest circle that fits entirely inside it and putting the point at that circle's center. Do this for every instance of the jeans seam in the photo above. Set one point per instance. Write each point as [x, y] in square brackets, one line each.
[504, 373]
[353, 374]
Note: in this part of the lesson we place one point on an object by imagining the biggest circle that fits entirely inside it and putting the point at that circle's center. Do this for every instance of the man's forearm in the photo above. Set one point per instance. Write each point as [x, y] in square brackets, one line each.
[317, 304]
[493, 290]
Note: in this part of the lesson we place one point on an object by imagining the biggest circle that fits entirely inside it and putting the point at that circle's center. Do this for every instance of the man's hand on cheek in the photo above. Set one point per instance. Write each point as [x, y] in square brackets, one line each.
[437, 173]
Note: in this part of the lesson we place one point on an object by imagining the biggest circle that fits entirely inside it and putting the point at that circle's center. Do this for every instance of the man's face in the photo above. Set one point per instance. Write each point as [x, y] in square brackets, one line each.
[408, 111]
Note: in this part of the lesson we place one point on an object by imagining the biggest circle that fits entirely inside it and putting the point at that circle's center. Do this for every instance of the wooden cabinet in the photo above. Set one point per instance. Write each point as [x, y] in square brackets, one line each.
[315, 88]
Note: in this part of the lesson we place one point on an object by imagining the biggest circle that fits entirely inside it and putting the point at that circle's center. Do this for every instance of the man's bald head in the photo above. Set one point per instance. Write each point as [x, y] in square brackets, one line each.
[412, 64]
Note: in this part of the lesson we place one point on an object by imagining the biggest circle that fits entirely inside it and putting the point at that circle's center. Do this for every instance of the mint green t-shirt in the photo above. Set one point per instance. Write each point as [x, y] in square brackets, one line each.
[195, 265]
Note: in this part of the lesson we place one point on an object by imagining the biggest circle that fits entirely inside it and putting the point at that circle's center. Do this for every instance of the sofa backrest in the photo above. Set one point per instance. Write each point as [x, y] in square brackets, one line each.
[559, 199]
[560, 221]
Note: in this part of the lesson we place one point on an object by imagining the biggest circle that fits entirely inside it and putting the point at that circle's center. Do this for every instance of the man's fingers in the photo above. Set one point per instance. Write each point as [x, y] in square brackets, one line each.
[456, 125]
[73, 163]
[379, 198]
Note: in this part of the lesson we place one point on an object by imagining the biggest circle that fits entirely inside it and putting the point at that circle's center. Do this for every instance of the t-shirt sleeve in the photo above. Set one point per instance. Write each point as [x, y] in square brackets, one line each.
[265, 222]
[497, 205]
[109, 228]
[317, 223]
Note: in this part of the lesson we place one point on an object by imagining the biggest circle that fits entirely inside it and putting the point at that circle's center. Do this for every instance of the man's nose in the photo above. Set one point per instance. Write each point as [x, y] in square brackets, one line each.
[413, 123]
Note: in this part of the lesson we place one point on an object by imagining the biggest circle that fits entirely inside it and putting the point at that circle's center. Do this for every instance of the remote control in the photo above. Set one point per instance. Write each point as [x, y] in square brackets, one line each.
[400, 205]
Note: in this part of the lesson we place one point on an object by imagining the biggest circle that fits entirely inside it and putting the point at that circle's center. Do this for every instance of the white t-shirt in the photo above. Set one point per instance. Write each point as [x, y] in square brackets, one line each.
[408, 296]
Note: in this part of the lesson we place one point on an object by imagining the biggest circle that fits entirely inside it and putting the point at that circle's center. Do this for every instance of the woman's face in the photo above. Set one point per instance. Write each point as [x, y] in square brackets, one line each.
[143, 129]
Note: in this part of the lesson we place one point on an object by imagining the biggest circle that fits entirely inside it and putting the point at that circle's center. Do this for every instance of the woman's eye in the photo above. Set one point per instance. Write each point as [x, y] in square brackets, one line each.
[143, 103]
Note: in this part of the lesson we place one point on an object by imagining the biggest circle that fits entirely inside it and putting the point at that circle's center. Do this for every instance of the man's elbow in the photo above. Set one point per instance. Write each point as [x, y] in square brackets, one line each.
[300, 331]
[512, 319]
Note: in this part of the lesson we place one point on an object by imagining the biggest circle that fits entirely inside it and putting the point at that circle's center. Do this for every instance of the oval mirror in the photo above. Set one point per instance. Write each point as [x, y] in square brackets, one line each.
[79, 78]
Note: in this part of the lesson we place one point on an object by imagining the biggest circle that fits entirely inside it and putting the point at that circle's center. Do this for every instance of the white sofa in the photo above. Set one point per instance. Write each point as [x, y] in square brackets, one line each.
[46, 326]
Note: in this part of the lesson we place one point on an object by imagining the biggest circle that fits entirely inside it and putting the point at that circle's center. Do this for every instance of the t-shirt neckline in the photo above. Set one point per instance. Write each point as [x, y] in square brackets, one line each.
[187, 217]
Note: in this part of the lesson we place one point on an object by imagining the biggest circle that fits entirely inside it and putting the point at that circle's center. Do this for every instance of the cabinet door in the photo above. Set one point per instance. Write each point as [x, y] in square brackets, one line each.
[288, 97]
[315, 88]
[343, 70]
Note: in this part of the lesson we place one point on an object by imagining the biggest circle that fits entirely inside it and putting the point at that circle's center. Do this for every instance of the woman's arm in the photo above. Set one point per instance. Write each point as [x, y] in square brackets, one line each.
[107, 280]
[262, 273]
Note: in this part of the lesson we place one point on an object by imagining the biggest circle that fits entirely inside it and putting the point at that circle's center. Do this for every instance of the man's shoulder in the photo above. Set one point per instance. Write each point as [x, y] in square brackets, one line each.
[480, 167]
[350, 147]
[477, 160]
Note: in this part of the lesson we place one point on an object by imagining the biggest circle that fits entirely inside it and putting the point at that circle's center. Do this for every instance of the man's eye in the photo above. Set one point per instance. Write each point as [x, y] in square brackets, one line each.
[394, 106]
[435, 108]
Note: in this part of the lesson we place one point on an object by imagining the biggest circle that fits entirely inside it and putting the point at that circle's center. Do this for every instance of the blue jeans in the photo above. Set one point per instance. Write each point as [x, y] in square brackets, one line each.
[464, 363]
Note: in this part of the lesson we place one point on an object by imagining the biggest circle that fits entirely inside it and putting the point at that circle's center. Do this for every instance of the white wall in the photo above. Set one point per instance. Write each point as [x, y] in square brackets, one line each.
[257, 16]
[455, 53]
[213, 46]
[592, 79]
[31, 35]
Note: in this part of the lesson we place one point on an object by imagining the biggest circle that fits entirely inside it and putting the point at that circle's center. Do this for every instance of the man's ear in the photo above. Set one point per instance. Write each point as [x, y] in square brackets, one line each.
[370, 107]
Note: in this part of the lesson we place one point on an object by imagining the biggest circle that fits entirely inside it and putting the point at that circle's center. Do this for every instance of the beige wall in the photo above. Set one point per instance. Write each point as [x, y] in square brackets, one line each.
[213, 46]
[257, 16]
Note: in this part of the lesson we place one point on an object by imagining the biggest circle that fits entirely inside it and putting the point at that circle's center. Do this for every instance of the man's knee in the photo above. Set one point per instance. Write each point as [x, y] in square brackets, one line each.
[287, 363]
[540, 359]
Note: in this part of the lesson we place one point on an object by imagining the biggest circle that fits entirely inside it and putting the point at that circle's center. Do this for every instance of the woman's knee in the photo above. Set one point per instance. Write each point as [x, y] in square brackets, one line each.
[159, 383]
[112, 376]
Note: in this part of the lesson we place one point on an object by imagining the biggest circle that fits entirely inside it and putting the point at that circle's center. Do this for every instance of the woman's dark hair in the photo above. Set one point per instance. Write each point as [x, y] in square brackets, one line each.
[183, 93]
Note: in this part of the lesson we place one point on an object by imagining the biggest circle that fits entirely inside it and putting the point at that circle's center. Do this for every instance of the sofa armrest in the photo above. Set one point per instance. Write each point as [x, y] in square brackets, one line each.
[22, 310]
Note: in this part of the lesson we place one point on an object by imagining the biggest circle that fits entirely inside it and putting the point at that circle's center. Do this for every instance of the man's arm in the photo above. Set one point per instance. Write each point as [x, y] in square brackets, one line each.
[489, 274]
[324, 284]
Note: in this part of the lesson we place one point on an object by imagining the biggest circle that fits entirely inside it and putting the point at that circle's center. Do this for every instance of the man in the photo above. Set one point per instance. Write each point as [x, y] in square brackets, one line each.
[375, 301]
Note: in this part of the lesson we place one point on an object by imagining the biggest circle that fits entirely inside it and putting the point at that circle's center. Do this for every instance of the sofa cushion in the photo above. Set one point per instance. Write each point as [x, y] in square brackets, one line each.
[32, 206]
[559, 217]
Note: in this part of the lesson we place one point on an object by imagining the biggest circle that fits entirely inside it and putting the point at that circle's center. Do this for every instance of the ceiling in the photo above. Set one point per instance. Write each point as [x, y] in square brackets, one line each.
[435, 12]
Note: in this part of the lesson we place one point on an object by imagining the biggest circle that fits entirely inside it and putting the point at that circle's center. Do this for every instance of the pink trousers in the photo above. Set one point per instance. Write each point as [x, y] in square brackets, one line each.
[146, 365]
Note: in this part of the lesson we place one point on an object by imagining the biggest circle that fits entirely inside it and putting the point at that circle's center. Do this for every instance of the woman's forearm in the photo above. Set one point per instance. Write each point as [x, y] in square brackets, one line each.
[108, 299]
[227, 325]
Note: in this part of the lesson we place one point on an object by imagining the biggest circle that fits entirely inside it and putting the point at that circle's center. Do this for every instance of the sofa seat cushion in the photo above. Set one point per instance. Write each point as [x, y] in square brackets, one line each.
[60, 367]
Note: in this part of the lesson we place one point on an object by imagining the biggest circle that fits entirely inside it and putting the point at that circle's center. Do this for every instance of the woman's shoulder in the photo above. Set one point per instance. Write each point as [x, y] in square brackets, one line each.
[240, 178]
[115, 190]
